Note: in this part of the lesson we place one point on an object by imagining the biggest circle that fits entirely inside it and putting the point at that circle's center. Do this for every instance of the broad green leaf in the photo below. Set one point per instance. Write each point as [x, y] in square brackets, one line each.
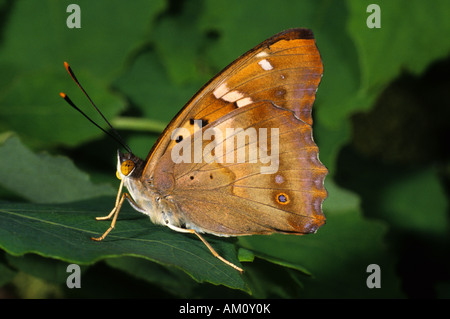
[63, 232]
[43, 178]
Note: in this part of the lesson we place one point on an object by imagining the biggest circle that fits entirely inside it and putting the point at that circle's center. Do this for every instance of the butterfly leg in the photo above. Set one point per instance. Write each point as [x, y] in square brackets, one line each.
[115, 212]
[215, 253]
[115, 206]
[192, 231]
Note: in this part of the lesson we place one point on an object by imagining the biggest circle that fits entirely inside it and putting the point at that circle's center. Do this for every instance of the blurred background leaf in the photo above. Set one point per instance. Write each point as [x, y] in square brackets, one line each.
[42, 178]
[380, 119]
[34, 47]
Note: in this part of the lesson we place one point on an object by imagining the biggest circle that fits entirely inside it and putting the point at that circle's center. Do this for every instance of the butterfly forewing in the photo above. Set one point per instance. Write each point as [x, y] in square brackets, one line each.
[285, 69]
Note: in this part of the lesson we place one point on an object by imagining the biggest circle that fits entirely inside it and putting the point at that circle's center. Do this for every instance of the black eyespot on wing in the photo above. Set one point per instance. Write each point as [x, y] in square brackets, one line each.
[204, 121]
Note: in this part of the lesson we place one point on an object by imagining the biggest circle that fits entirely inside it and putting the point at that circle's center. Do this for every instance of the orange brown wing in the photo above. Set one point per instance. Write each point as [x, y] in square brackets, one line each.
[285, 69]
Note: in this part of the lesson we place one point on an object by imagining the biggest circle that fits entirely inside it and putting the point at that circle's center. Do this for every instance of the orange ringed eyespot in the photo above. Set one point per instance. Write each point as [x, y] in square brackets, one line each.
[282, 199]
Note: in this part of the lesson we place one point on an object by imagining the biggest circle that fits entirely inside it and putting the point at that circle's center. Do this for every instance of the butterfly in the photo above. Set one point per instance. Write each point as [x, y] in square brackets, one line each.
[239, 158]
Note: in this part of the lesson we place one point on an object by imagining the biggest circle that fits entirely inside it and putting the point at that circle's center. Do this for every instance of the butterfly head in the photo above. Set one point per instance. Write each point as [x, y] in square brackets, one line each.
[128, 165]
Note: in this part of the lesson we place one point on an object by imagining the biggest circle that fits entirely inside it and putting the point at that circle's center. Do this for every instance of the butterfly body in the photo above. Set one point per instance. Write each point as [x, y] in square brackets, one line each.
[146, 198]
[239, 158]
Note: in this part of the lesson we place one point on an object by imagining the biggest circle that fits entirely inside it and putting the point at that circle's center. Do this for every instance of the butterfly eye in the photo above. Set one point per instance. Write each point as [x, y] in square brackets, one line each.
[126, 167]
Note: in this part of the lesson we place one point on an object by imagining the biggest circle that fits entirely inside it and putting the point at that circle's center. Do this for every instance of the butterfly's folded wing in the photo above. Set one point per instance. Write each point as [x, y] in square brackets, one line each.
[270, 86]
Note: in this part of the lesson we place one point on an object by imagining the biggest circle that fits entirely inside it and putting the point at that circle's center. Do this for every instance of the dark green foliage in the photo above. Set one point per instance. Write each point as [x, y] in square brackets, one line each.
[380, 119]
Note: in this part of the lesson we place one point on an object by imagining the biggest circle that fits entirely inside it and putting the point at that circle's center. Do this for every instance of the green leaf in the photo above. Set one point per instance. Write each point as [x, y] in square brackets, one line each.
[415, 202]
[246, 255]
[28, 228]
[43, 178]
[35, 44]
[399, 43]
[407, 27]
[63, 232]
[148, 74]
[180, 54]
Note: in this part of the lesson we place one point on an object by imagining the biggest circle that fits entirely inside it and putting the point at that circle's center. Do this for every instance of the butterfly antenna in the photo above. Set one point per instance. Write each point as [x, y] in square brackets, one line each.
[116, 135]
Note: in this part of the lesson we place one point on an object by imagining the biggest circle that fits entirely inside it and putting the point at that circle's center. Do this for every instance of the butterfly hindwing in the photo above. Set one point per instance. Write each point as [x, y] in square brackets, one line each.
[227, 197]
